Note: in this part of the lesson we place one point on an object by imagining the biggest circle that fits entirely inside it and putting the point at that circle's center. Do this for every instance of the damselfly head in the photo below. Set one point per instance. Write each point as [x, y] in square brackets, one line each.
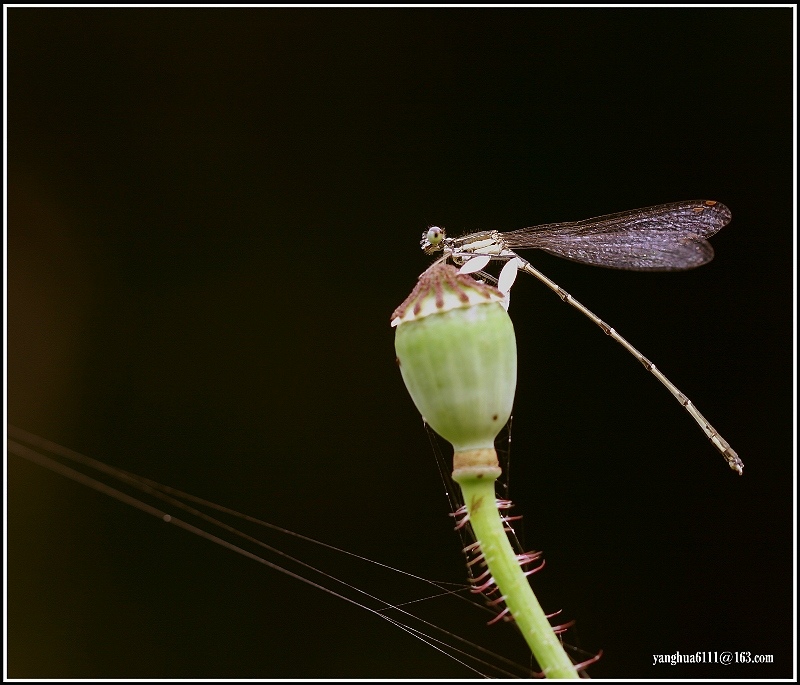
[432, 239]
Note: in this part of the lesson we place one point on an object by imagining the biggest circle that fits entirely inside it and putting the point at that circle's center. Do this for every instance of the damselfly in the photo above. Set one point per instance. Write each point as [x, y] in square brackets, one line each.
[670, 237]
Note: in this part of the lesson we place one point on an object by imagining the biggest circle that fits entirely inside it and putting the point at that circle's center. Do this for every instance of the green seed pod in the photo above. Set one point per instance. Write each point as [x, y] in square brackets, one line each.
[458, 357]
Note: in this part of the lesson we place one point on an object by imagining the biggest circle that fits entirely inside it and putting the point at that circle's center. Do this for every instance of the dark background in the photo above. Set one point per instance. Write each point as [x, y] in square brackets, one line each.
[212, 214]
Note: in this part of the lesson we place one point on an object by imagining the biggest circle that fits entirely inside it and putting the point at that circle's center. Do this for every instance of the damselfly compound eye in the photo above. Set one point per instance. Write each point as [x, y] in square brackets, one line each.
[432, 239]
[435, 235]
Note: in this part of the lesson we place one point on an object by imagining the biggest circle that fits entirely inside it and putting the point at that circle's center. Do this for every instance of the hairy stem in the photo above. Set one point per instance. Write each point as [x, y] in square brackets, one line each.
[484, 517]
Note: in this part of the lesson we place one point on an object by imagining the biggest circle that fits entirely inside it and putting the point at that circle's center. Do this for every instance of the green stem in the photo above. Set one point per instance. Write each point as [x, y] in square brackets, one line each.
[484, 517]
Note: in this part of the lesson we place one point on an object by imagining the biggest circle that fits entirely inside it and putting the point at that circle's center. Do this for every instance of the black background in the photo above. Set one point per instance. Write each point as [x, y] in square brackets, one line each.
[212, 214]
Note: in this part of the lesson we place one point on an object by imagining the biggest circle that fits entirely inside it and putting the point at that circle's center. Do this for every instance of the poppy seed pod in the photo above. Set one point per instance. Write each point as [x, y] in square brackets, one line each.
[458, 357]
